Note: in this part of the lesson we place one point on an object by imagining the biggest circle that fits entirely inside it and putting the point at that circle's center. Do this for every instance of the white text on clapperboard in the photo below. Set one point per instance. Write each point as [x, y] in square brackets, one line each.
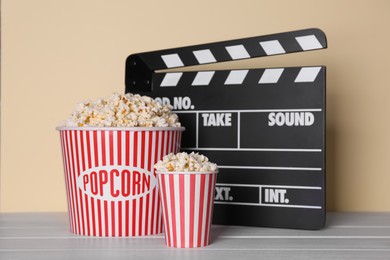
[179, 103]
[291, 119]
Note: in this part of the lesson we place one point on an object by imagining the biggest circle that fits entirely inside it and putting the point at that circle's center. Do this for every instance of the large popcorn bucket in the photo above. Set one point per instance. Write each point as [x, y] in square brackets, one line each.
[188, 203]
[111, 186]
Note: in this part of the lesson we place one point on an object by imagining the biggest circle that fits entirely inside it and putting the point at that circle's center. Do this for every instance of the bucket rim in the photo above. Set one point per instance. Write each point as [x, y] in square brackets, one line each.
[190, 172]
[100, 128]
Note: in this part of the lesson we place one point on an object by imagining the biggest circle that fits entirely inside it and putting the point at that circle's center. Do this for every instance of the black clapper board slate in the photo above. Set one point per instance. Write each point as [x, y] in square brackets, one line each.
[265, 128]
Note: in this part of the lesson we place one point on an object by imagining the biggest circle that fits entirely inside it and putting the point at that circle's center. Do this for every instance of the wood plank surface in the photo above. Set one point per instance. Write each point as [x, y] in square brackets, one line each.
[346, 236]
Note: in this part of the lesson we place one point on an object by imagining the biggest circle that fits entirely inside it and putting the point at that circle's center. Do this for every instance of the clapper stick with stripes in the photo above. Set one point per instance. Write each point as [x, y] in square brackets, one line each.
[265, 127]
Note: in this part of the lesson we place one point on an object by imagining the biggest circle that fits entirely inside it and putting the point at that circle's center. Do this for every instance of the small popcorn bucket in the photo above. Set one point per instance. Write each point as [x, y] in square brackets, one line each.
[188, 203]
[111, 185]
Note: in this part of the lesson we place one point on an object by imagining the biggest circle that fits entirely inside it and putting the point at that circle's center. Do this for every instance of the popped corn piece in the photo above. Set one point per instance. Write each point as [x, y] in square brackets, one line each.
[129, 110]
[184, 162]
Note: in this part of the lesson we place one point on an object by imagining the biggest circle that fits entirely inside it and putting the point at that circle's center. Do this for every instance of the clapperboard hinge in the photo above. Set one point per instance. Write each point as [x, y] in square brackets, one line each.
[265, 127]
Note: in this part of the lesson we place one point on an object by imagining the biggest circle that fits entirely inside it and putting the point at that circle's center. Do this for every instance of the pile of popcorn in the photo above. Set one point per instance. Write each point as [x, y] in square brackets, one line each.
[184, 162]
[129, 110]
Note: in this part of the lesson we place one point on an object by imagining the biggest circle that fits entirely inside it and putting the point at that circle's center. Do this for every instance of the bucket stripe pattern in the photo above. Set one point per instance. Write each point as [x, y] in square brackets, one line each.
[84, 150]
[187, 201]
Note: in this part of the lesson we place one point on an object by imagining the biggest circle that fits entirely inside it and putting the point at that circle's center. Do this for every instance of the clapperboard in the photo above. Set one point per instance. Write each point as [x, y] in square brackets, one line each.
[265, 128]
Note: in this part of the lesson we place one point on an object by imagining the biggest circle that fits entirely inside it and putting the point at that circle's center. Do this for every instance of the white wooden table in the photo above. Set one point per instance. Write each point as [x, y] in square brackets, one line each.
[346, 236]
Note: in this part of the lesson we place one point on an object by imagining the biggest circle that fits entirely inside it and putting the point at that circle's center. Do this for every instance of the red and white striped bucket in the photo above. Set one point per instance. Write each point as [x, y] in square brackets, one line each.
[188, 203]
[111, 185]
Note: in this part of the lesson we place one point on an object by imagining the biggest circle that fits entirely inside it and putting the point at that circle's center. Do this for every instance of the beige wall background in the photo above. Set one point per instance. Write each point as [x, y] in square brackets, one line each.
[56, 53]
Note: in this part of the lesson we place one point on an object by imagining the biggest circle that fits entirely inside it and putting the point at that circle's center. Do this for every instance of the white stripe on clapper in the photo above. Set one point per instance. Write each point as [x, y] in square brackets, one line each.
[172, 60]
[236, 77]
[271, 76]
[204, 56]
[307, 74]
[203, 78]
[237, 52]
[309, 42]
[272, 47]
[171, 79]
